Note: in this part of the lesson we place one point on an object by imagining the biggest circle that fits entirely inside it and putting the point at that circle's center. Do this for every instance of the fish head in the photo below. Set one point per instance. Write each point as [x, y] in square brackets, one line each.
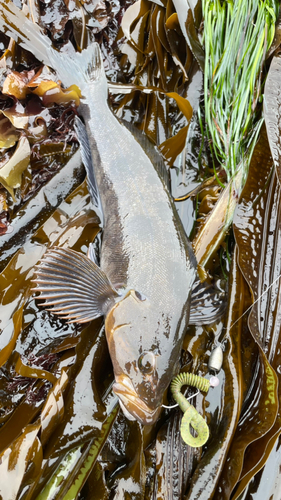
[144, 346]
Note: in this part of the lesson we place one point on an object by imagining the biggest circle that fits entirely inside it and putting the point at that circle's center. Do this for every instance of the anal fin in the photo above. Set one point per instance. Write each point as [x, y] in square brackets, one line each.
[207, 304]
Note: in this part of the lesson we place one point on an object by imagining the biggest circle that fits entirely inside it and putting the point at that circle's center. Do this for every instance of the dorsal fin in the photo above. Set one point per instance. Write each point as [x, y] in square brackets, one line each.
[87, 159]
[150, 151]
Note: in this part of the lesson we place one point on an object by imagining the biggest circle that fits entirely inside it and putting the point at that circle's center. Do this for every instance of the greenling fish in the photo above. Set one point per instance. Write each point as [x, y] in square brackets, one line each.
[143, 282]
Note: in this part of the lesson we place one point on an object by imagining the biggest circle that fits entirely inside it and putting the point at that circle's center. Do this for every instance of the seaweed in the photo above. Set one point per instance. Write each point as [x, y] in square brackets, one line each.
[61, 432]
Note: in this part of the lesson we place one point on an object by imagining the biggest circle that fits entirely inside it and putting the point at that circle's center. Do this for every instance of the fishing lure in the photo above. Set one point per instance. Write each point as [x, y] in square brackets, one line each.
[191, 416]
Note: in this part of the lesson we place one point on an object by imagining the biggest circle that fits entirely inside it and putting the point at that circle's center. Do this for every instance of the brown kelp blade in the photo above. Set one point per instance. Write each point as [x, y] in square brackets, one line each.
[74, 470]
[15, 24]
[19, 452]
[75, 68]
[213, 231]
[272, 101]
[257, 233]
[78, 288]
[11, 173]
[38, 208]
[188, 26]
[226, 408]
[174, 459]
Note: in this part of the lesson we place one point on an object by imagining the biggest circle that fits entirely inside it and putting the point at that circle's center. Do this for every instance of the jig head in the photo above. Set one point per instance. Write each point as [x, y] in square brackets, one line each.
[215, 360]
[191, 416]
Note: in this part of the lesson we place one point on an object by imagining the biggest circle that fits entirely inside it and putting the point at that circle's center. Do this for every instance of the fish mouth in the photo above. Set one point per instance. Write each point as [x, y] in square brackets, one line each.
[134, 408]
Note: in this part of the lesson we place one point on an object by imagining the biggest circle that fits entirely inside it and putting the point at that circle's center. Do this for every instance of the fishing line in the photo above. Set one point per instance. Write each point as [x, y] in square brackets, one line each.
[170, 407]
[247, 310]
[177, 404]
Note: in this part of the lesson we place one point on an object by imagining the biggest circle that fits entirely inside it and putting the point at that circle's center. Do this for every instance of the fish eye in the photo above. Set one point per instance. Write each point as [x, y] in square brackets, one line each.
[146, 362]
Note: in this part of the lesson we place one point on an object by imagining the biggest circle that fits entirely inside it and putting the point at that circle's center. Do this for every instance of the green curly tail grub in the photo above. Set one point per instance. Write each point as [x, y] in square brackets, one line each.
[191, 416]
[196, 421]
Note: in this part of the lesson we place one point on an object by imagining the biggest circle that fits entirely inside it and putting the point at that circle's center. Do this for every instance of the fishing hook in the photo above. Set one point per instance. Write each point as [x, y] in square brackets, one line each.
[191, 416]
[177, 404]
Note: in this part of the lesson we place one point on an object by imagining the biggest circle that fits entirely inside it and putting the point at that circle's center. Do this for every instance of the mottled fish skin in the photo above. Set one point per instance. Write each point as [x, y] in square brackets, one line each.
[144, 249]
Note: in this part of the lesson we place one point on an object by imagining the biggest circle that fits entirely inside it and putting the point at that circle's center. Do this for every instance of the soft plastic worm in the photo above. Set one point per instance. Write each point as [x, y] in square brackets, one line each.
[191, 416]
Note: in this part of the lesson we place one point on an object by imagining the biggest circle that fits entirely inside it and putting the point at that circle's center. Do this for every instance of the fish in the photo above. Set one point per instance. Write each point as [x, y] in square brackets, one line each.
[142, 280]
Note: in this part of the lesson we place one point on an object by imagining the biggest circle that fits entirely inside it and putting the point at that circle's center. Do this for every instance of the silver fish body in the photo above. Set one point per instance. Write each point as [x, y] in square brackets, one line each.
[146, 256]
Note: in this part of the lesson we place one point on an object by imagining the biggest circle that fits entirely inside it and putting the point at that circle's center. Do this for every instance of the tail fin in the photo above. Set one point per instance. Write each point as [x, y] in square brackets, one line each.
[78, 68]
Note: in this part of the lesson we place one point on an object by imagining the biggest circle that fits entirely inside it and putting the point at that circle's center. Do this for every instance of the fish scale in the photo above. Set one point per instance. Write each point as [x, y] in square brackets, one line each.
[144, 248]
[140, 193]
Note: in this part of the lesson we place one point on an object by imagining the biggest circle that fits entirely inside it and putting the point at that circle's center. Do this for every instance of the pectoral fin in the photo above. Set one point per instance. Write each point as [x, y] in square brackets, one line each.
[207, 304]
[76, 288]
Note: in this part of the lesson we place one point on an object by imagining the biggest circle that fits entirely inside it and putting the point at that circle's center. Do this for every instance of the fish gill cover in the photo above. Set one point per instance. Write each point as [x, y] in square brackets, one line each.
[176, 75]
